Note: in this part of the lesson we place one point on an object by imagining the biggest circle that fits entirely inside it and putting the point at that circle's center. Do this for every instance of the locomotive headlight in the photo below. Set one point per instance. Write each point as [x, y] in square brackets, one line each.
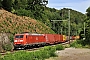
[21, 40]
[15, 40]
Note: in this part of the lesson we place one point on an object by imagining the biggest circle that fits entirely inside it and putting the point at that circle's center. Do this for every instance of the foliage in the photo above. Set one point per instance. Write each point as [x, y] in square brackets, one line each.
[60, 47]
[7, 4]
[11, 37]
[41, 54]
[87, 46]
[23, 12]
[36, 10]
[82, 35]
[67, 46]
[80, 44]
[76, 45]
[0, 55]
[7, 47]
[88, 12]
[0, 3]
[50, 50]
[87, 30]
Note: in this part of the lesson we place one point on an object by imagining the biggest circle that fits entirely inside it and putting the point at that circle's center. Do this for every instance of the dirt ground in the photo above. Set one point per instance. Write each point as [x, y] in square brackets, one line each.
[72, 54]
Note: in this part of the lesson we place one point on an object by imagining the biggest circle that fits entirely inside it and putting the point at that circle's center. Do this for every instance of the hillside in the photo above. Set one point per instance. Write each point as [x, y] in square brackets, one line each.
[76, 20]
[12, 23]
[37, 10]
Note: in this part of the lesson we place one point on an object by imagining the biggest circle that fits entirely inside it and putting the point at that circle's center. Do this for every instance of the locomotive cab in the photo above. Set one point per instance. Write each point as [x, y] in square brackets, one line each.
[19, 40]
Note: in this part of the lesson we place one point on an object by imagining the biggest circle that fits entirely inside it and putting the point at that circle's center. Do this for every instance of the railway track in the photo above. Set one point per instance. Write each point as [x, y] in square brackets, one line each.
[68, 42]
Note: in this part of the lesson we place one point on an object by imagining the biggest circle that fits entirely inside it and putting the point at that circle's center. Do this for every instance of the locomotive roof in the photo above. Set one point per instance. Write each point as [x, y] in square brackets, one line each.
[35, 34]
[30, 34]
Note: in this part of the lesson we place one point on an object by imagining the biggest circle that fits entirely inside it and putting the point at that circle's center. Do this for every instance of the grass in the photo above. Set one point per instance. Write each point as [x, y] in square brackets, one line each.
[42, 54]
[35, 55]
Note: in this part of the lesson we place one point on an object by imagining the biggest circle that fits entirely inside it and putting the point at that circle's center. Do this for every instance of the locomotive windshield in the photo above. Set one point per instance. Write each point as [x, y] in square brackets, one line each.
[19, 36]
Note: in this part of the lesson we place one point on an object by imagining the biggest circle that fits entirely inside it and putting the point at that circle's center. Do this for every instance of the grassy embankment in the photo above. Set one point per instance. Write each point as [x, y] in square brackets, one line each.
[42, 54]
[11, 23]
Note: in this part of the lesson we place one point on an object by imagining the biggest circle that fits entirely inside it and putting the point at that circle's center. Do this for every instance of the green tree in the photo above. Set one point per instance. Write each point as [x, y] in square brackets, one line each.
[0, 3]
[88, 12]
[20, 4]
[88, 26]
[7, 4]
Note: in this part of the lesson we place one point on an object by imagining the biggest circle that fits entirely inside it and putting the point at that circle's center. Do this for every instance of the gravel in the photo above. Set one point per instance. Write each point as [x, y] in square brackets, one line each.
[72, 54]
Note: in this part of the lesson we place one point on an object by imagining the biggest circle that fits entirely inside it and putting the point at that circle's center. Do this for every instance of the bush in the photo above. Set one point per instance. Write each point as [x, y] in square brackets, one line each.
[76, 44]
[50, 50]
[7, 47]
[87, 46]
[60, 47]
[11, 37]
[67, 46]
[44, 53]
[80, 44]
[41, 54]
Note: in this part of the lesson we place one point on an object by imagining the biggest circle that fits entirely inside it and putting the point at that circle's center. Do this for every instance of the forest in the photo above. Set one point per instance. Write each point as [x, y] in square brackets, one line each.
[37, 9]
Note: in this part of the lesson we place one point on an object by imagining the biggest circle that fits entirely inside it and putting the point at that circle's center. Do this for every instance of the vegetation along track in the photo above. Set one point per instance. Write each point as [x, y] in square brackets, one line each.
[34, 48]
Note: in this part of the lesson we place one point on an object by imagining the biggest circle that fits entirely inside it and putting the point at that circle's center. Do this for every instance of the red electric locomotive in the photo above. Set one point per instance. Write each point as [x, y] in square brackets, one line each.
[26, 39]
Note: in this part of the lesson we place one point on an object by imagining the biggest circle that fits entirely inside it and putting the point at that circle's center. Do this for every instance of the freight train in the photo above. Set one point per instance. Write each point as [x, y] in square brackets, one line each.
[28, 40]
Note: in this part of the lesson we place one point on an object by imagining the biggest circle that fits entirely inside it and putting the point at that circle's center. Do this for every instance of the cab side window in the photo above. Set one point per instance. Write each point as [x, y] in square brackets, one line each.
[26, 36]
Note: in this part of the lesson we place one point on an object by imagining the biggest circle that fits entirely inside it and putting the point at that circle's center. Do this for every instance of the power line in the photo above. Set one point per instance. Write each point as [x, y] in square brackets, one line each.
[68, 25]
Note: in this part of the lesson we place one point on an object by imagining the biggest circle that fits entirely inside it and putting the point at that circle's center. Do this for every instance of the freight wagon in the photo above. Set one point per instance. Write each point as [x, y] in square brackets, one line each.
[28, 40]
